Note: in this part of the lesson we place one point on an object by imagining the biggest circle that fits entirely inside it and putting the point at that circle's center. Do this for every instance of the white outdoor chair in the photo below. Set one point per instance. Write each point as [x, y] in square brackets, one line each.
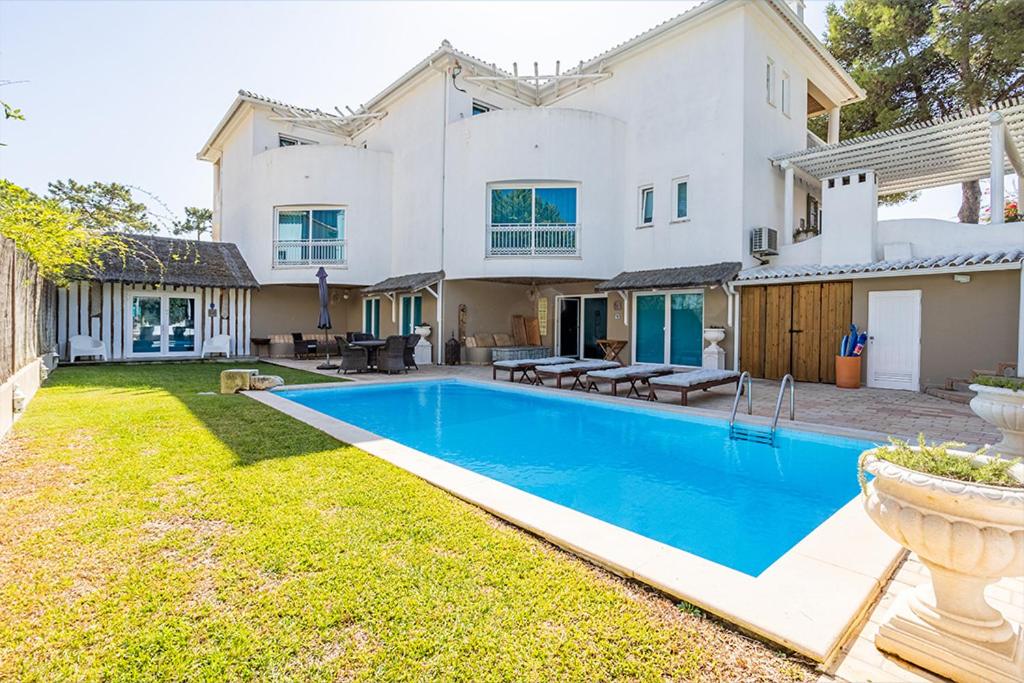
[84, 345]
[220, 343]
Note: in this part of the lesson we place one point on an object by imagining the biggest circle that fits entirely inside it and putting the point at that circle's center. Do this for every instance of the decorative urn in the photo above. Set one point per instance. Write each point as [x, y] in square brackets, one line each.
[968, 536]
[423, 330]
[713, 335]
[1003, 408]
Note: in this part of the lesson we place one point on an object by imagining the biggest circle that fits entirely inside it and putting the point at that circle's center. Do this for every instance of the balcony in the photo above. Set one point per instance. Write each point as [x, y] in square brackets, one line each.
[557, 239]
[289, 253]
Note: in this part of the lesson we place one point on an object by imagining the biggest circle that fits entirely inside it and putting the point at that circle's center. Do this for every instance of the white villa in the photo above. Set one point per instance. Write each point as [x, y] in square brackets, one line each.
[667, 185]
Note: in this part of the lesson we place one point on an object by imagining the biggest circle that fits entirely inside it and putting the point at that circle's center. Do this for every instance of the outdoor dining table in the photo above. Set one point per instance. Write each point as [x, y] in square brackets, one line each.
[371, 346]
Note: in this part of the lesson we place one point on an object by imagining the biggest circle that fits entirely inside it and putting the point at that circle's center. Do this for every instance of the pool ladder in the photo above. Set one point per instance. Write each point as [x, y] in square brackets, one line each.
[748, 432]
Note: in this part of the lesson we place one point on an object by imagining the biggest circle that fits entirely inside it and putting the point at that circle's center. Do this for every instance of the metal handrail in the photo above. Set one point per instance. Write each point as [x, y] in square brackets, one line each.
[778, 402]
[736, 400]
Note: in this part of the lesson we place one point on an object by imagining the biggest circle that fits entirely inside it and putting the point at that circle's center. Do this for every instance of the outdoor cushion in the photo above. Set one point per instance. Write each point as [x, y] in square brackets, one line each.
[516, 364]
[586, 365]
[624, 372]
[688, 379]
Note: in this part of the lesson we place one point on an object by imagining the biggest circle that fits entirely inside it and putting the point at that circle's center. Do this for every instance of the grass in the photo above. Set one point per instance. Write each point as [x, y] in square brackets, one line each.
[148, 532]
[935, 459]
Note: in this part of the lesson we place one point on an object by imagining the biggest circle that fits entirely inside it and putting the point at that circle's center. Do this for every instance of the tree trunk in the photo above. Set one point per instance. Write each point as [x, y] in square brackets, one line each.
[970, 205]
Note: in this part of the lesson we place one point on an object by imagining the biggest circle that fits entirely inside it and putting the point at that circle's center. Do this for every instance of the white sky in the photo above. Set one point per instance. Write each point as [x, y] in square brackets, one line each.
[128, 92]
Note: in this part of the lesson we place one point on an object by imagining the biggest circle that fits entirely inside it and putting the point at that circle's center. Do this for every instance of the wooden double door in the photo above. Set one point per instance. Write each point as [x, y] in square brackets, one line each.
[794, 329]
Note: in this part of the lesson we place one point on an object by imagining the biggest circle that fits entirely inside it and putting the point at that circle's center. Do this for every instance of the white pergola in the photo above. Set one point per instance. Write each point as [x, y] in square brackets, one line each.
[968, 145]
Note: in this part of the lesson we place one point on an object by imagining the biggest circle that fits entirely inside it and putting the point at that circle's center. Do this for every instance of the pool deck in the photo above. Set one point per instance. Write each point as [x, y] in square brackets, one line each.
[880, 411]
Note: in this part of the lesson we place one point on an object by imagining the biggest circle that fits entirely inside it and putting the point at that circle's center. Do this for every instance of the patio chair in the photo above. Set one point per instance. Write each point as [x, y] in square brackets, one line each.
[411, 340]
[304, 348]
[83, 345]
[685, 382]
[391, 356]
[575, 370]
[524, 366]
[219, 343]
[631, 374]
[353, 358]
[362, 336]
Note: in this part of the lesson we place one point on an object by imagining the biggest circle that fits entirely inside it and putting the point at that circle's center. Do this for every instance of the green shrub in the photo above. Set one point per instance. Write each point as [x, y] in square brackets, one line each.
[935, 459]
[1013, 383]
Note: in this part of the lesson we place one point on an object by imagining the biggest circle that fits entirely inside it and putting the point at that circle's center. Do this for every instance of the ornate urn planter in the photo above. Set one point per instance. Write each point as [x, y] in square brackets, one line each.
[968, 535]
[1005, 409]
[713, 335]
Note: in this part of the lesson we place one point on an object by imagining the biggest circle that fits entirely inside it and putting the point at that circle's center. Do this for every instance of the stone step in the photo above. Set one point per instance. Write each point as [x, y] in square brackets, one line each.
[950, 395]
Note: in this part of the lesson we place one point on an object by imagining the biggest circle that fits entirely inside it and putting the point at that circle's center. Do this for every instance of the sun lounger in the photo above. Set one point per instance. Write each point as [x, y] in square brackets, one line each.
[575, 370]
[525, 366]
[685, 382]
[640, 372]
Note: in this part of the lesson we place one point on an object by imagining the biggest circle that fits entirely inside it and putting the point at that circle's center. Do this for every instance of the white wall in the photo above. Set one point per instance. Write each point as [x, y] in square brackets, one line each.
[27, 380]
[933, 237]
[848, 218]
[528, 145]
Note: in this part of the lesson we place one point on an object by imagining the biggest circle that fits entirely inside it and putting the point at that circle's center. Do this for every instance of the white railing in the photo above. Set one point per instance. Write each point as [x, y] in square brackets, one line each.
[510, 239]
[309, 252]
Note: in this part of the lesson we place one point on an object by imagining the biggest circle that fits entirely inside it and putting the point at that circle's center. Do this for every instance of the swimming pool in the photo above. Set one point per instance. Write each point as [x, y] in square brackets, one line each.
[674, 478]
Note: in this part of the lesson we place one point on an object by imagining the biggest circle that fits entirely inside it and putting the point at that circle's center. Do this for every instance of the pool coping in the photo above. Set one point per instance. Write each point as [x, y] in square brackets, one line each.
[807, 600]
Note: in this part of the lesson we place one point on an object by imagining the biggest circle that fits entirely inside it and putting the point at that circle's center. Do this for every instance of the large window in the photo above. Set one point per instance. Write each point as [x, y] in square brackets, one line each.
[163, 324]
[310, 236]
[533, 220]
[411, 313]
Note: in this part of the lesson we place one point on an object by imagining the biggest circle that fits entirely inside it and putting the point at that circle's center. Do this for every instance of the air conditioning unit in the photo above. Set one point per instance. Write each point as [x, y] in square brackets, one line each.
[764, 241]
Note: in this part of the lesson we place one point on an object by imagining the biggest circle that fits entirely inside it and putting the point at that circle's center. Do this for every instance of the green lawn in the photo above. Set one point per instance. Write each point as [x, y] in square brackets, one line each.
[151, 533]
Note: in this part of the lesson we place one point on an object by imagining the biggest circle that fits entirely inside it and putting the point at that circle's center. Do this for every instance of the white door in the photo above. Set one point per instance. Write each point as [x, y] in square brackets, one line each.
[894, 340]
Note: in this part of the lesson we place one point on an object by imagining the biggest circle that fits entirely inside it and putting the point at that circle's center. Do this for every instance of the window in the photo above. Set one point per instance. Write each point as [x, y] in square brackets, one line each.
[371, 316]
[646, 206]
[785, 93]
[289, 141]
[682, 211]
[813, 213]
[529, 220]
[311, 236]
[163, 323]
[411, 313]
[668, 327]
[769, 81]
[481, 108]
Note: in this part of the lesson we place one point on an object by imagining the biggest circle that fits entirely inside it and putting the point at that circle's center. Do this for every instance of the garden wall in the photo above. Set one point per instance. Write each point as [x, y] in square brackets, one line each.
[27, 328]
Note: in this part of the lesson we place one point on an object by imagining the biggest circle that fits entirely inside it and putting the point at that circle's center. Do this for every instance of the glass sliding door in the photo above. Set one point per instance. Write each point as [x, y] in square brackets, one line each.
[412, 313]
[670, 328]
[181, 324]
[595, 326]
[650, 328]
[686, 331]
[146, 327]
[163, 325]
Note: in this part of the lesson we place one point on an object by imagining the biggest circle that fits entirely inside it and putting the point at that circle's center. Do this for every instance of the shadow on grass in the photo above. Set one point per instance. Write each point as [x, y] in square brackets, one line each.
[252, 431]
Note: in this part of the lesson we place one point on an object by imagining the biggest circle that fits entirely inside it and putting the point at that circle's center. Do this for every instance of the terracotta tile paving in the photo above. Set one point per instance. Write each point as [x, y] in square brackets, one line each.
[900, 413]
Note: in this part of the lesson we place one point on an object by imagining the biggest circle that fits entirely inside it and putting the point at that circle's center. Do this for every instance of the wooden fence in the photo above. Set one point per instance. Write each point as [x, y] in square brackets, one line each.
[28, 305]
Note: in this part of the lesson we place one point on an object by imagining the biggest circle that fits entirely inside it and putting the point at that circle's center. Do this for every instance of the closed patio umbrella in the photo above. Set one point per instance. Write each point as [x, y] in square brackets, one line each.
[325, 317]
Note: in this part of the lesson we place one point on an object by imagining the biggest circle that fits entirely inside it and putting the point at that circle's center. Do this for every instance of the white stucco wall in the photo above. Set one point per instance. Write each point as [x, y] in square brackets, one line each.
[535, 145]
[933, 237]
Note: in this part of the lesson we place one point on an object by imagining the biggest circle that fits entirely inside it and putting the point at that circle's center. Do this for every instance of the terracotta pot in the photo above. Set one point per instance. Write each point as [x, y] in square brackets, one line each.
[968, 536]
[848, 372]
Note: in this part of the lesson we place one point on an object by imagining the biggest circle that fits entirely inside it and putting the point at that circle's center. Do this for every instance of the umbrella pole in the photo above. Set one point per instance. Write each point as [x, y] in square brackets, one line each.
[327, 364]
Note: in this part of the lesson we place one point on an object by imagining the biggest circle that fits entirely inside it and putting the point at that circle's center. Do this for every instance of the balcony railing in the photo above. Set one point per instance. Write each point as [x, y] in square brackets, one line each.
[309, 253]
[560, 239]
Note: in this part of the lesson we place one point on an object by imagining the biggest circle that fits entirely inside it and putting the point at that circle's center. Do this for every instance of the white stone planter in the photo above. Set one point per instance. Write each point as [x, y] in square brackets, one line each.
[968, 536]
[422, 330]
[1005, 409]
[713, 356]
[713, 335]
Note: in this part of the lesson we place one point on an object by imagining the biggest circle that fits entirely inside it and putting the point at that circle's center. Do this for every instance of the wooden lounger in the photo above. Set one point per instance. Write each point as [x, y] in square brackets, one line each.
[685, 382]
[640, 372]
[525, 366]
[575, 370]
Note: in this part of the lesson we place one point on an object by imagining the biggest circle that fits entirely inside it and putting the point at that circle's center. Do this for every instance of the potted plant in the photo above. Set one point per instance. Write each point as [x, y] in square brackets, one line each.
[963, 514]
[1000, 401]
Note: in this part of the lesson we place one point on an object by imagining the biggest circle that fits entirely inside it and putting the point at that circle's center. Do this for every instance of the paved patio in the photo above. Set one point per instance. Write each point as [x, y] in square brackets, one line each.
[900, 413]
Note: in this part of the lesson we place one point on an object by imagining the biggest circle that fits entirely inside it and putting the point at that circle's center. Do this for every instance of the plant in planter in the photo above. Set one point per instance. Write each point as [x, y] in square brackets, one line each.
[963, 514]
[1000, 401]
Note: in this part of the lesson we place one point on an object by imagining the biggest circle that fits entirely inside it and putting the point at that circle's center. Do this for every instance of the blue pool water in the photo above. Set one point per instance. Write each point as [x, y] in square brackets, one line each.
[674, 478]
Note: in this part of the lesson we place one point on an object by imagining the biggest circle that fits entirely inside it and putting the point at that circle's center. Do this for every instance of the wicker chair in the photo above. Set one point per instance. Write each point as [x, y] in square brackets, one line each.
[391, 356]
[362, 336]
[409, 353]
[304, 348]
[353, 358]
